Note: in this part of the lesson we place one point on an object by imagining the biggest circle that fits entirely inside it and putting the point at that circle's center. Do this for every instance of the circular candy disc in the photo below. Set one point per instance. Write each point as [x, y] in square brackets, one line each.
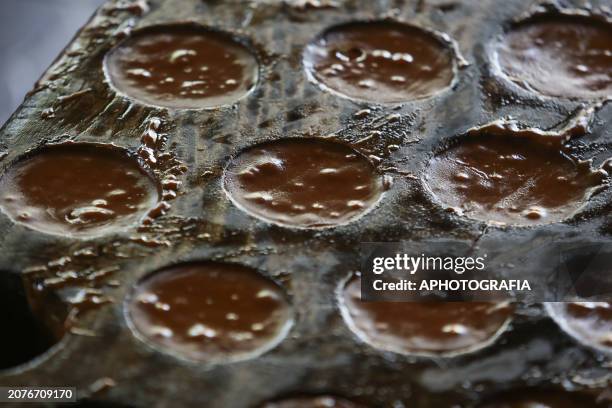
[324, 401]
[588, 322]
[305, 183]
[209, 312]
[509, 179]
[559, 55]
[77, 189]
[183, 67]
[380, 61]
[423, 328]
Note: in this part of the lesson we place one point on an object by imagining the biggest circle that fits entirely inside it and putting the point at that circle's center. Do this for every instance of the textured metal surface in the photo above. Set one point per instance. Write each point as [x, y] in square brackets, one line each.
[102, 358]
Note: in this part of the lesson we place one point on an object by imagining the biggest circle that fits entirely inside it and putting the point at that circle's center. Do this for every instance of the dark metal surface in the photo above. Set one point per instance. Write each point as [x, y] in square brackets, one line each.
[102, 358]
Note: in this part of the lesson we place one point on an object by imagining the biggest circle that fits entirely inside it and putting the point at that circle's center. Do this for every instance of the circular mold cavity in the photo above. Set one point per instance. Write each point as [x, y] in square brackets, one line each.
[323, 401]
[380, 61]
[559, 55]
[541, 398]
[303, 183]
[31, 326]
[504, 178]
[77, 189]
[209, 312]
[590, 323]
[423, 328]
[183, 66]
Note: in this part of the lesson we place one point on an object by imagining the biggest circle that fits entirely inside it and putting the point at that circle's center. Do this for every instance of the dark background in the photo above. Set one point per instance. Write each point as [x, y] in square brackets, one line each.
[32, 34]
